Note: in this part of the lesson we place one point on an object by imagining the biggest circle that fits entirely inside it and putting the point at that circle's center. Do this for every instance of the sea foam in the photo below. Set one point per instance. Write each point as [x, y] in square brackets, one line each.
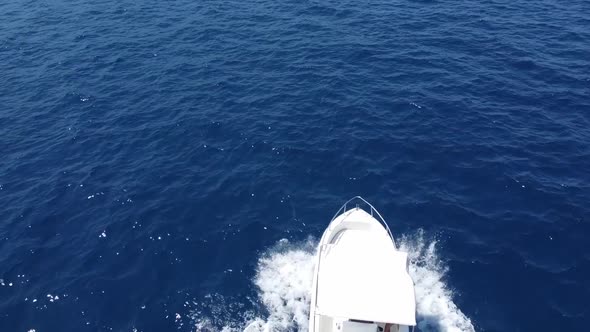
[283, 281]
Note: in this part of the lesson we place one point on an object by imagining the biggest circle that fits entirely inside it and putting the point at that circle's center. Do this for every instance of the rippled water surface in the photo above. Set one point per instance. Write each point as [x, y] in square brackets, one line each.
[170, 165]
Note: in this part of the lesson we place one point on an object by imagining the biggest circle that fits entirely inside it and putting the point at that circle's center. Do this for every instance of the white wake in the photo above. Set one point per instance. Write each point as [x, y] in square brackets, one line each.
[283, 280]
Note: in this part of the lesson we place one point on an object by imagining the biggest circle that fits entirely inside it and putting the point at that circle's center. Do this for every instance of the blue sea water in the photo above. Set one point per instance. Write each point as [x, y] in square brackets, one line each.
[170, 165]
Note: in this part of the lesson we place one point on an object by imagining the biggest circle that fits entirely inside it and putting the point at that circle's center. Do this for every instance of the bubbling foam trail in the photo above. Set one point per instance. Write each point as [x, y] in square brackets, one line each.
[284, 281]
[284, 277]
[434, 300]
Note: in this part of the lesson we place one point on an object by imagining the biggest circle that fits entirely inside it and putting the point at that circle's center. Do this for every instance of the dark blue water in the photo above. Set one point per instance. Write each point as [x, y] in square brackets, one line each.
[169, 165]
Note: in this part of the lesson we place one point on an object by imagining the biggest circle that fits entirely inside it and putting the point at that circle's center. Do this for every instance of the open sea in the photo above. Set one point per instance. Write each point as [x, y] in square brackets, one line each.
[170, 165]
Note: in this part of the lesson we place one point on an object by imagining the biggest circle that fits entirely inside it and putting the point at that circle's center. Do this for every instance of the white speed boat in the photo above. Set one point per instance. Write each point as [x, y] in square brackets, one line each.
[361, 281]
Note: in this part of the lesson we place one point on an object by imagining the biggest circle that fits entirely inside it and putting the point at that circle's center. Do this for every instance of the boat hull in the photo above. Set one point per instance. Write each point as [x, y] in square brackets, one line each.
[360, 280]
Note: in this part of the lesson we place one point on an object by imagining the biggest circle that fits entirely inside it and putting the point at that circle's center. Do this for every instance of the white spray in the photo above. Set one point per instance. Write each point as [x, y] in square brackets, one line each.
[283, 280]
